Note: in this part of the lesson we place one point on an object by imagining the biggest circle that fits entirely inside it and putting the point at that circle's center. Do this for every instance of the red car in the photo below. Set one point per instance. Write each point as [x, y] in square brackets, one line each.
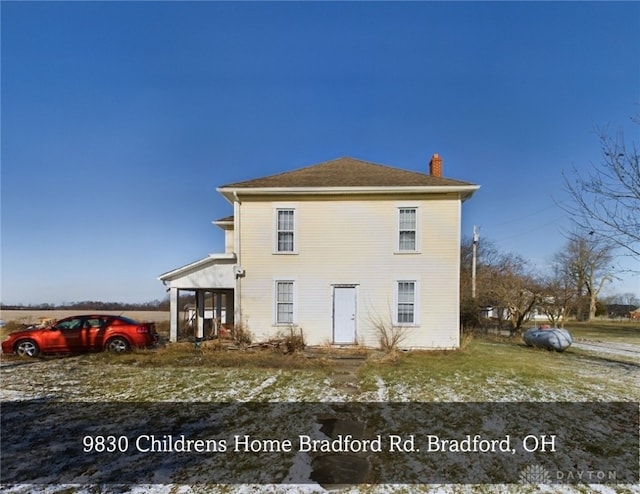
[82, 333]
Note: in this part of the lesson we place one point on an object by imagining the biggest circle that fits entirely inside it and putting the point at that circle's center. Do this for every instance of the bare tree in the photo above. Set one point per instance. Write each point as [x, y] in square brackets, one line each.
[630, 299]
[517, 290]
[557, 296]
[488, 260]
[504, 283]
[390, 334]
[585, 262]
[605, 201]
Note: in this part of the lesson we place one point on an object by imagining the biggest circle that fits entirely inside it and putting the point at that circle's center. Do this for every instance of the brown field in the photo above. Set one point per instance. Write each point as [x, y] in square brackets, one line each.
[35, 316]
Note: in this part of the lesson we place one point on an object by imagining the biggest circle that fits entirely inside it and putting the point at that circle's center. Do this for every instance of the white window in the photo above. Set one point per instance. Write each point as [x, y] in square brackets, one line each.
[284, 309]
[406, 302]
[285, 230]
[407, 229]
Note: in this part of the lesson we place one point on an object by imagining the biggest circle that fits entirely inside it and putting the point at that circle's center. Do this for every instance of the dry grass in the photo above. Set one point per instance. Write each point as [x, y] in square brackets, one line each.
[214, 353]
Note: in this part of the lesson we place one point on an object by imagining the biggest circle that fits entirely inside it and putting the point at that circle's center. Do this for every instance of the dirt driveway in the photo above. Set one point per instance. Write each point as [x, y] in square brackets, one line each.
[611, 348]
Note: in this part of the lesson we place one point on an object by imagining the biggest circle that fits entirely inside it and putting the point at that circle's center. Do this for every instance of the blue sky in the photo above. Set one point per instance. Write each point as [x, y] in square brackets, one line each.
[120, 119]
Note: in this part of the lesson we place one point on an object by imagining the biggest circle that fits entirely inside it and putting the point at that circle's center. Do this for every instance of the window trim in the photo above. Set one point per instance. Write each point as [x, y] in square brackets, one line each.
[398, 231]
[276, 209]
[416, 300]
[294, 302]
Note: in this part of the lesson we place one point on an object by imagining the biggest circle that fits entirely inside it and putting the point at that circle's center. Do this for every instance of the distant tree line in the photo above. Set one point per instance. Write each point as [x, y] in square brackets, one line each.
[154, 305]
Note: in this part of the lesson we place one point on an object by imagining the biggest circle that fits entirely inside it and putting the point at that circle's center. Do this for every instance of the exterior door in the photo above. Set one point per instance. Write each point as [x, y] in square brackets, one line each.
[344, 315]
[65, 336]
[93, 332]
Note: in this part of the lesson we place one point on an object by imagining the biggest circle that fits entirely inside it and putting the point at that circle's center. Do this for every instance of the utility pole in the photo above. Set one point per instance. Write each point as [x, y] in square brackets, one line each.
[476, 237]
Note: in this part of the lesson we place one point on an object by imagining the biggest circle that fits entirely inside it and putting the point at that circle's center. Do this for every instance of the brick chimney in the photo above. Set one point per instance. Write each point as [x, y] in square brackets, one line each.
[435, 166]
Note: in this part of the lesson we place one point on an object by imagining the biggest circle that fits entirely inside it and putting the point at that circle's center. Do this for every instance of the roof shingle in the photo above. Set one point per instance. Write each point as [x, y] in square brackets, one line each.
[347, 172]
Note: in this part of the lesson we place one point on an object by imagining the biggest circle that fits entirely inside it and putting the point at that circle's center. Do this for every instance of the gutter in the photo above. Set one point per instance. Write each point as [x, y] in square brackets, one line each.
[465, 191]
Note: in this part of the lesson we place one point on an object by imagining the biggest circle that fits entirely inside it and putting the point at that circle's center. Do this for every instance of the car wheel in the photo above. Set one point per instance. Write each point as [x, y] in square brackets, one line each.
[117, 345]
[27, 348]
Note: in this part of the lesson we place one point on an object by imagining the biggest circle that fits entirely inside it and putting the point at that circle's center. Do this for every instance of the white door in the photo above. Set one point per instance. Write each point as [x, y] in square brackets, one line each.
[344, 314]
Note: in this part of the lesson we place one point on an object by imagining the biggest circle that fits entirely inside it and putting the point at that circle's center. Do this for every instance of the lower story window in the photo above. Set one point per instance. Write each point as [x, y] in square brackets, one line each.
[406, 302]
[284, 302]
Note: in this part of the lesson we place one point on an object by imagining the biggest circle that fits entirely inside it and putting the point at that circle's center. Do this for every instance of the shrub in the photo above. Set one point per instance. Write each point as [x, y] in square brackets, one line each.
[390, 335]
[163, 328]
[241, 334]
[294, 340]
[465, 340]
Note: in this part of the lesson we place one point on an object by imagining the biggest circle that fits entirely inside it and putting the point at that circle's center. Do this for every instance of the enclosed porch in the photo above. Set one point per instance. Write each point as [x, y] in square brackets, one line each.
[212, 282]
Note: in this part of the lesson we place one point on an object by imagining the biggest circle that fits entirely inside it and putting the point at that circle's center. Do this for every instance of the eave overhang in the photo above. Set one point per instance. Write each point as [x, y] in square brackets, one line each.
[231, 194]
[210, 260]
[225, 224]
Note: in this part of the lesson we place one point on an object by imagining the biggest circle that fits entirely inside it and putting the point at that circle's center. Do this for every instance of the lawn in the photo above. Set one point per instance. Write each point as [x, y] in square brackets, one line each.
[615, 332]
[484, 370]
[503, 370]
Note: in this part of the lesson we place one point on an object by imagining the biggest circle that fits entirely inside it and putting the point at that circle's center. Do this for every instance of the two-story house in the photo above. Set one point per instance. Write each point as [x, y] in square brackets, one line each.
[335, 248]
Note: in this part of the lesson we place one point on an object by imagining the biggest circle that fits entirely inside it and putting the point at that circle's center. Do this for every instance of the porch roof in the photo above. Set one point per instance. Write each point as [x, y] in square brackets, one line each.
[215, 271]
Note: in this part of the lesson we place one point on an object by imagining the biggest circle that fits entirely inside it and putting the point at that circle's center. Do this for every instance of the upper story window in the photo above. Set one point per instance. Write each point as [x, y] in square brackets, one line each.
[407, 230]
[285, 230]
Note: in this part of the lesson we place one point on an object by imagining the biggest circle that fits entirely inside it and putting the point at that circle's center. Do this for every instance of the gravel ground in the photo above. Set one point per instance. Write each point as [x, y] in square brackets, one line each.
[606, 347]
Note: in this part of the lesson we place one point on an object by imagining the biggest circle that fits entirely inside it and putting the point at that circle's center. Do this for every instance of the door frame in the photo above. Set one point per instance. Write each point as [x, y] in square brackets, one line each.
[354, 287]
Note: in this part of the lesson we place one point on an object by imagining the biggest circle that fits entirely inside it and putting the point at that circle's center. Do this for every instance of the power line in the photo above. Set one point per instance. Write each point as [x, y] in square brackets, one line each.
[529, 215]
[531, 230]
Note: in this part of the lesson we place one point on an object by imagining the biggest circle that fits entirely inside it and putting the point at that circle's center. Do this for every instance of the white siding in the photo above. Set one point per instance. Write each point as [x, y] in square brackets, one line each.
[228, 240]
[353, 242]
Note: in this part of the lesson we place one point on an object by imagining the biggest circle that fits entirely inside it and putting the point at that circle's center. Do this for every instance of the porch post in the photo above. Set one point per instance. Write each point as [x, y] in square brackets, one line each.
[229, 307]
[173, 314]
[218, 296]
[200, 312]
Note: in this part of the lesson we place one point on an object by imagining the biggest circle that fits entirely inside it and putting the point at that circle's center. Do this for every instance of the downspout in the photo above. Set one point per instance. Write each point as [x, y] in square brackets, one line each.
[457, 268]
[236, 243]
